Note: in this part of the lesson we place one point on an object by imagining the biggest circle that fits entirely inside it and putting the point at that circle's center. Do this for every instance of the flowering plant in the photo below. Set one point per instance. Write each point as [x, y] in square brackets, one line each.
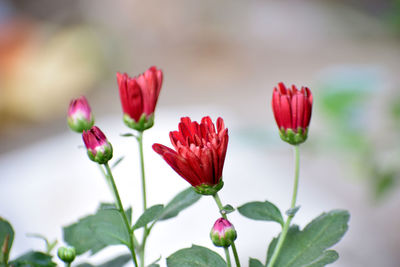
[198, 156]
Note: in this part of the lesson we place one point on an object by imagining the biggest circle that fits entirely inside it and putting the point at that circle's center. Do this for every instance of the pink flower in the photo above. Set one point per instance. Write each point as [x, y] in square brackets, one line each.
[98, 147]
[292, 110]
[199, 153]
[139, 97]
[80, 115]
[223, 233]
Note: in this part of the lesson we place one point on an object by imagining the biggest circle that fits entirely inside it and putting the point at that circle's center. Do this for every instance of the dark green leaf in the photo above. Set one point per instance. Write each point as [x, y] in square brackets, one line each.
[119, 261]
[95, 232]
[261, 211]
[33, 259]
[6, 239]
[180, 202]
[149, 215]
[195, 256]
[227, 209]
[118, 161]
[308, 247]
[255, 263]
[128, 135]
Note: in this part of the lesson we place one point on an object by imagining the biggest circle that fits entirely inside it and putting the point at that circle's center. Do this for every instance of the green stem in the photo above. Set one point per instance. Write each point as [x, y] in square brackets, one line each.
[67, 264]
[146, 231]
[140, 141]
[292, 206]
[122, 211]
[220, 207]
[228, 257]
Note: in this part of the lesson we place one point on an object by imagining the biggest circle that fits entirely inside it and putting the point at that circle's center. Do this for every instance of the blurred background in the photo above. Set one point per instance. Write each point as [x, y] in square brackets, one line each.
[220, 58]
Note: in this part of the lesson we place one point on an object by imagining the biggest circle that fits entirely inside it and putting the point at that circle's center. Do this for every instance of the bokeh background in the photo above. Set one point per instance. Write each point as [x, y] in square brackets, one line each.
[220, 58]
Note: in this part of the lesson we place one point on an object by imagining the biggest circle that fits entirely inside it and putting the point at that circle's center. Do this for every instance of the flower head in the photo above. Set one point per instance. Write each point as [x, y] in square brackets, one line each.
[98, 147]
[199, 153]
[139, 97]
[292, 110]
[80, 116]
[223, 233]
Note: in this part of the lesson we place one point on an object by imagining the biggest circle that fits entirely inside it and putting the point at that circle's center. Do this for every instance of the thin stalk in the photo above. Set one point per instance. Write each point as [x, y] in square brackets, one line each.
[146, 231]
[228, 257]
[67, 264]
[220, 207]
[292, 206]
[122, 211]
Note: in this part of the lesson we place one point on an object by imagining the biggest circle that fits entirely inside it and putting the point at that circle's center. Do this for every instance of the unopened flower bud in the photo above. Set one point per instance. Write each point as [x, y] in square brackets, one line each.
[292, 110]
[80, 116]
[98, 147]
[223, 233]
[66, 254]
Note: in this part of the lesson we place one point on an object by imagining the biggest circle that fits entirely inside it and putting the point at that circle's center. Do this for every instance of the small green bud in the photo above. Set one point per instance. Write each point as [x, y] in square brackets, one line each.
[66, 254]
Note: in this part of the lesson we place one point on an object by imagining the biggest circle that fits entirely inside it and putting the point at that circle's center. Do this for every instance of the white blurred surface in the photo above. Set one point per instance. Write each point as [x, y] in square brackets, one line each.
[52, 183]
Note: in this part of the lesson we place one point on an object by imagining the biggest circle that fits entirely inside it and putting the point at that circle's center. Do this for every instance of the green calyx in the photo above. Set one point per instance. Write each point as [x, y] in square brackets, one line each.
[226, 240]
[145, 122]
[66, 254]
[206, 189]
[294, 138]
[102, 157]
[80, 125]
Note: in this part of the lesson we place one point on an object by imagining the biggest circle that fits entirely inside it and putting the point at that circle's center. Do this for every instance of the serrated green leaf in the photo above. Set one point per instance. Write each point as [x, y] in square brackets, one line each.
[148, 216]
[183, 200]
[119, 261]
[6, 239]
[261, 211]
[227, 209]
[33, 259]
[195, 256]
[307, 248]
[95, 232]
[255, 263]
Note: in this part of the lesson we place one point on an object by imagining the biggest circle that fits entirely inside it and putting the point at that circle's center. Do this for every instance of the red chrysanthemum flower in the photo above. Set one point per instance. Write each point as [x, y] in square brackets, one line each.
[292, 110]
[139, 97]
[199, 153]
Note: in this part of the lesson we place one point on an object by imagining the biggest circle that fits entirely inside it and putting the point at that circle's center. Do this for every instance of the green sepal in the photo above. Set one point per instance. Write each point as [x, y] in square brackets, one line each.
[230, 235]
[294, 138]
[102, 157]
[79, 125]
[206, 189]
[145, 122]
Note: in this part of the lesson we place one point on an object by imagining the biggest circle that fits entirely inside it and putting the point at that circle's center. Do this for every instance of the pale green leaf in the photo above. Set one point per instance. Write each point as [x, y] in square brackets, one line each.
[255, 263]
[183, 200]
[148, 216]
[307, 248]
[261, 211]
[195, 256]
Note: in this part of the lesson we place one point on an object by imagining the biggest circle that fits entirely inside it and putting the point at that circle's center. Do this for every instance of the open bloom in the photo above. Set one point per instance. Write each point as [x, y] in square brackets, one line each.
[98, 147]
[292, 110]
[199, 153]
[80, 115]
[139, 97]
[223, 233]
